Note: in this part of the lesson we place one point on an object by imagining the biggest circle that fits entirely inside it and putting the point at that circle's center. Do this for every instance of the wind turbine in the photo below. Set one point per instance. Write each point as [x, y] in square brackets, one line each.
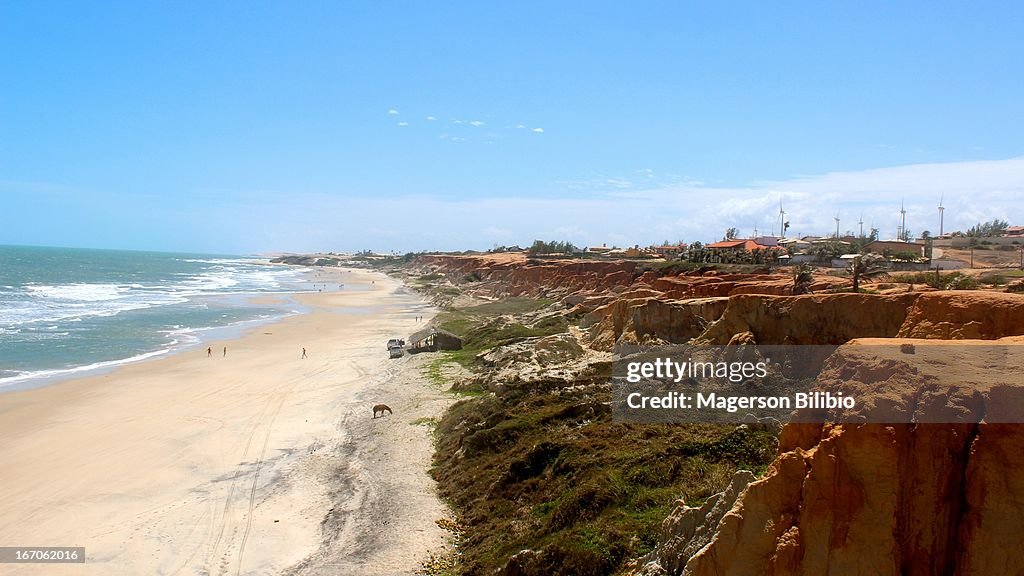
[861, 223]
[941, 213]
[782, 220]
[837, 225]
[903, 223]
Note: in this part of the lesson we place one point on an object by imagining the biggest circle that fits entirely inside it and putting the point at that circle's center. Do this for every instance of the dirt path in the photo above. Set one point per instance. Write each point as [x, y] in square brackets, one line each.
[383, 511]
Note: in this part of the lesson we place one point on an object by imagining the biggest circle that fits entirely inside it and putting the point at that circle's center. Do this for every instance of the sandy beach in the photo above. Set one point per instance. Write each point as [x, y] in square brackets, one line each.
[256, 461]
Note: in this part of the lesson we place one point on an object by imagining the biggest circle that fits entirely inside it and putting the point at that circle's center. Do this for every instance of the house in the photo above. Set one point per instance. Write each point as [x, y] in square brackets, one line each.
[889, 248]
[733, 246]
[669, 250]
[433, 339]
[1014, 232]
[794, 244]
[739, 246]
[637, 252]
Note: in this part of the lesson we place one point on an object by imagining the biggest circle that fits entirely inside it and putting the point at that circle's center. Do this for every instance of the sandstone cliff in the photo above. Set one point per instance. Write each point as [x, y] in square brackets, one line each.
[917, 499]
[810, 319]
[942, 495]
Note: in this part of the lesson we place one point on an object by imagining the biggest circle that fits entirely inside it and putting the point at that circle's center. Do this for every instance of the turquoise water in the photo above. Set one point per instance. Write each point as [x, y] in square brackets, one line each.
[66, 312]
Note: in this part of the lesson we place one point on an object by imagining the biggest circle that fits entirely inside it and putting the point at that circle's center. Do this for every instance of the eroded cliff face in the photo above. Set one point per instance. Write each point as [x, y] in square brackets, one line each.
[514, 275]
[645, 319]
[907, 499]
[942, 496]
[810, 319]
[965, 314]
[617, 300]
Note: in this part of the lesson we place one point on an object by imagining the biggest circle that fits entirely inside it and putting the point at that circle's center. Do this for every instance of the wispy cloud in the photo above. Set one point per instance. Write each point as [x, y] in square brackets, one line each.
[538, 130]
[392, 111]
[476, 123]
[403, 123]
[431, 118]
[973, 192]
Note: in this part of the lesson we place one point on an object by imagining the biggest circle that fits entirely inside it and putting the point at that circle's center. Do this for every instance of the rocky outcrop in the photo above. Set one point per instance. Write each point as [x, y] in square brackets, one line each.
[304, 260]
[514, 275]
[810, 319]
[876, 498]
[712, 284]
[643, 320]
[539, 363]
[688, 529]
[965, 314]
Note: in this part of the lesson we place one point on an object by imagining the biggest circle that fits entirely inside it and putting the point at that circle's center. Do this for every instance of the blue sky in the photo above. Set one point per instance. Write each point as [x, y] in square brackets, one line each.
[257, 126]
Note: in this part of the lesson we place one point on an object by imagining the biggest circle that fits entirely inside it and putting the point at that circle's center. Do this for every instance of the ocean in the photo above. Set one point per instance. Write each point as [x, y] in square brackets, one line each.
[69, 312]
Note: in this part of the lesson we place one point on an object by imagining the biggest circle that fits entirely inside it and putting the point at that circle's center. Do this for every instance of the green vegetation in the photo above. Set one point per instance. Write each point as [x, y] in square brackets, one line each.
[803, 277]
[1000, 278]
[481, 327]
[991, 228]
[952, 281]
[670, 267]
[541, 248]
[552, 472]
[544, 467]
[866, 266]
[434, 374]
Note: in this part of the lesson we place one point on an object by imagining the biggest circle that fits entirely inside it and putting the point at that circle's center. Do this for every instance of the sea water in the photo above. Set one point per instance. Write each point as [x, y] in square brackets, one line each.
[68, 312]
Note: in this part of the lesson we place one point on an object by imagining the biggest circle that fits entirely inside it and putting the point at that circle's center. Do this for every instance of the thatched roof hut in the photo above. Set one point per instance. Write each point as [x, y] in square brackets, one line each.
[433, 339]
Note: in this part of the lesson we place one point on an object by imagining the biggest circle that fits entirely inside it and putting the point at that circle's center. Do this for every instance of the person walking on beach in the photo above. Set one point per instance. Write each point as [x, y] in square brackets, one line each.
[304, 353]
[225, 351]
[209, 351]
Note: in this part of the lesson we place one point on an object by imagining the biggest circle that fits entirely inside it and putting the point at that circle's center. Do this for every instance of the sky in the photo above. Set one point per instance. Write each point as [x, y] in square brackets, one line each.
[249, 127]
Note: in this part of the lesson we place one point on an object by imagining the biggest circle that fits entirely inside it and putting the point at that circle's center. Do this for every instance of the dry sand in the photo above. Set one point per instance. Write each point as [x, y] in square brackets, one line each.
[259, 462]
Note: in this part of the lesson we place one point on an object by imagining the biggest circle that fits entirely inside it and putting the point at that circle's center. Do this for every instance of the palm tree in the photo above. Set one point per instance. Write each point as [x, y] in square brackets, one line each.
[802, 279]
[866, 266]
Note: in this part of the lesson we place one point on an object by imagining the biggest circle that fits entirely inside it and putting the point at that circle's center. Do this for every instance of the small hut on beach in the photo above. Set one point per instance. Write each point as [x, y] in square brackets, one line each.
[433, 339]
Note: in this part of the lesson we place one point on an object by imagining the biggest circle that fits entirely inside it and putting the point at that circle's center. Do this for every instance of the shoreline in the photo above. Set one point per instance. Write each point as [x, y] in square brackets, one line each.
[235, 464]
[191, 337]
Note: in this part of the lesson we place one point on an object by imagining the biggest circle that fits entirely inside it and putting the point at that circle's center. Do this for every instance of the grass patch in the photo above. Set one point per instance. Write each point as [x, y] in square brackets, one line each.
[483, 327]
[433, 372]
[1000, 278]
[554, 473]
[952, 281]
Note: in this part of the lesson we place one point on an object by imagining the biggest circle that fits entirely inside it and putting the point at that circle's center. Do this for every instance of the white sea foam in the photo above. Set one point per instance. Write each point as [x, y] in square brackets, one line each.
[66, 372]
[78, 292]
[36, 303]
[72, 302]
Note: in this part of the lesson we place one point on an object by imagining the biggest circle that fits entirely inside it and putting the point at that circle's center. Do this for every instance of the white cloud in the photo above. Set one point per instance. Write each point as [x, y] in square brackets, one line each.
[476, 123]
[392, 111]
[403, 123]
[538, 130]
[973, 192]
[520, 126]
[431, 118]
